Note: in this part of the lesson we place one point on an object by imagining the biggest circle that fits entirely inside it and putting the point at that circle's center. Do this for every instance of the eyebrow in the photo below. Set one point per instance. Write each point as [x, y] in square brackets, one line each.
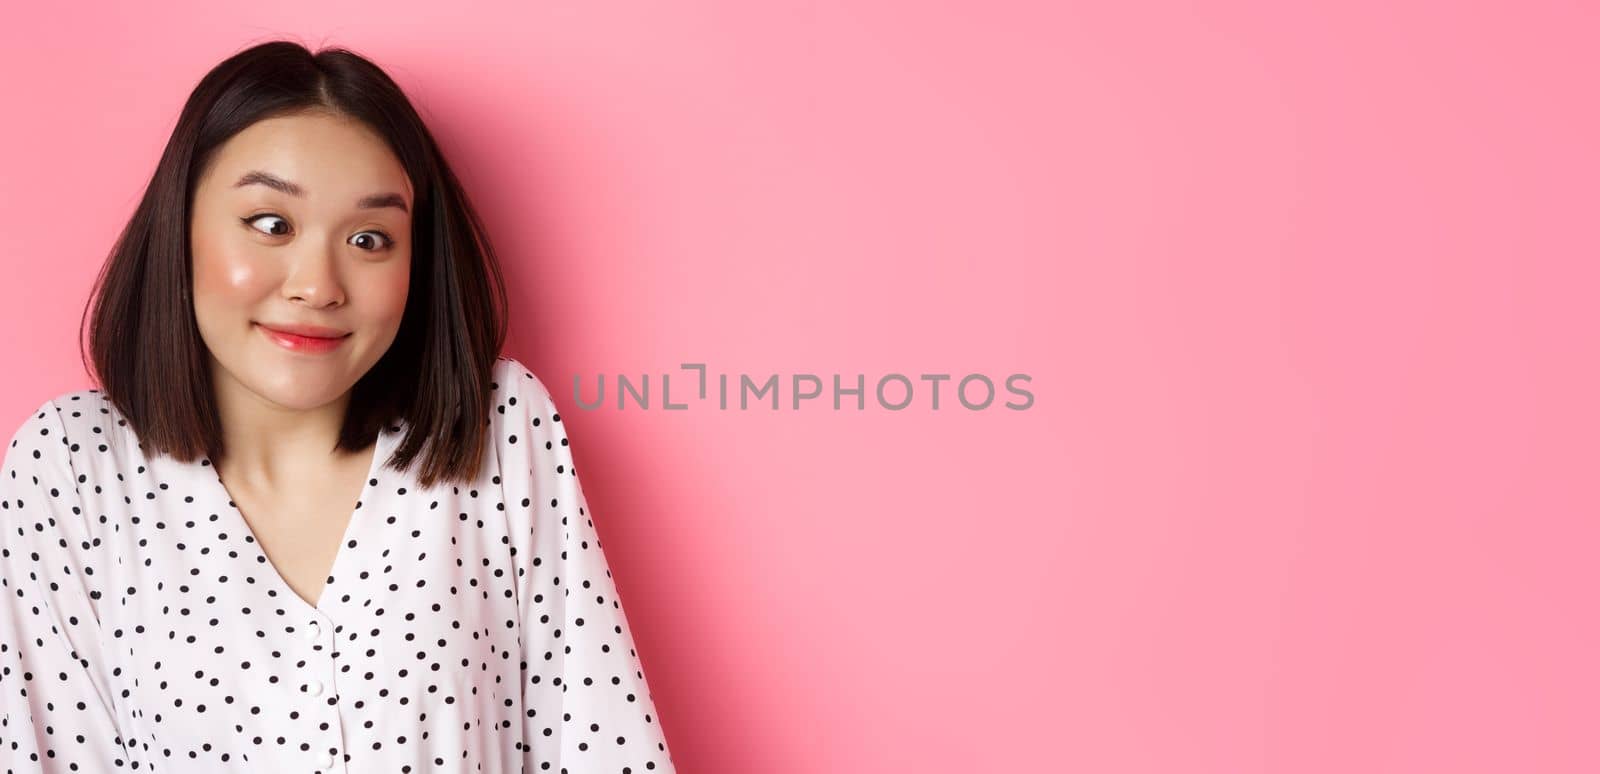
[375, 201]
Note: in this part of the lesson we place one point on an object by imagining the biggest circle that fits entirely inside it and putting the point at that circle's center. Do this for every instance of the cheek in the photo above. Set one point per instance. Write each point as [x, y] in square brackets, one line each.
[228, 274]
[390, 289]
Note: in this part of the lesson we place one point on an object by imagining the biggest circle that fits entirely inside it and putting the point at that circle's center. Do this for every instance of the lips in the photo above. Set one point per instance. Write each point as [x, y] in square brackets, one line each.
[319, 340]
[308, 331]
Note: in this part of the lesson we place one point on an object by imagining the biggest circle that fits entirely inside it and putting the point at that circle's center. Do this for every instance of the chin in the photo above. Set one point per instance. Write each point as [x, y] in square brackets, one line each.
[296, 385]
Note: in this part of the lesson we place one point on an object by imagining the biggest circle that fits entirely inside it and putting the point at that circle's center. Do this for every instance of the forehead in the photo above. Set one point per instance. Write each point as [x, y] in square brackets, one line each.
[334, 159]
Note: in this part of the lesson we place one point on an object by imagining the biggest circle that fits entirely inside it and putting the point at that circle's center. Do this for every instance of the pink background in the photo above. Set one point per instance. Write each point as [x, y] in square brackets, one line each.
[1307, 295]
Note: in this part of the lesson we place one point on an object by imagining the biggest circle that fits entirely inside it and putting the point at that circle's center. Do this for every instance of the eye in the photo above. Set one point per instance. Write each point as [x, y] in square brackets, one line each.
[250, 223]
[386, 243]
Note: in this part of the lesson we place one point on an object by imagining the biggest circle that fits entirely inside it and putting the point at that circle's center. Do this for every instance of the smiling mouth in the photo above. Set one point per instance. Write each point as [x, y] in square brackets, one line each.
[295, 342]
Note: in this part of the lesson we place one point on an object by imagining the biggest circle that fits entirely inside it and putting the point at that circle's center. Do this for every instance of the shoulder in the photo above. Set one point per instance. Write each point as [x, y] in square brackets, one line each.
[57, 433]
[524, 408]
[84, 415]
[517, 390]
[38, 435]
[88, 415]
[57, 415]
[39, 449]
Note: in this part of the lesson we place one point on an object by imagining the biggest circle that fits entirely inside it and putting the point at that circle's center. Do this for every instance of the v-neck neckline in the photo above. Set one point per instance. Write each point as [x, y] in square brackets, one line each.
[373, 477]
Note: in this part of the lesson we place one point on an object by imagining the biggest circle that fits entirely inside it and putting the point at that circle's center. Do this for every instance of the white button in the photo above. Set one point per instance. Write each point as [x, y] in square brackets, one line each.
[313, 630]
[314, 687]
[324, 760]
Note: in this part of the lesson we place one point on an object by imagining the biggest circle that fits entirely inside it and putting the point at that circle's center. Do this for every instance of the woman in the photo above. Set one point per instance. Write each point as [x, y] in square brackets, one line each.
[312, 521]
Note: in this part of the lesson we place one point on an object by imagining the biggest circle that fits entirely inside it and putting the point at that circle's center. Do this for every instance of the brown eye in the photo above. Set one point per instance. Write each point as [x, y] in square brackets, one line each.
[381, 241]
[251, 221]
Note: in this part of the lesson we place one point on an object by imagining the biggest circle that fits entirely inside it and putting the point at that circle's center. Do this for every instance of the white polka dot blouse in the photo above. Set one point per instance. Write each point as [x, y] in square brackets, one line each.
[461, 628]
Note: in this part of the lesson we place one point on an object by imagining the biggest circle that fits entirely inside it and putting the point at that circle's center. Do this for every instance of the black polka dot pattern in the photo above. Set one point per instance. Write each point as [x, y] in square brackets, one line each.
[462, 628]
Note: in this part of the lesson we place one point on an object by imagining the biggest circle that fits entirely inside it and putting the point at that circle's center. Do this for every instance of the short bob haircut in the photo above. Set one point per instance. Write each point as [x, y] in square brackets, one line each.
[145, 344]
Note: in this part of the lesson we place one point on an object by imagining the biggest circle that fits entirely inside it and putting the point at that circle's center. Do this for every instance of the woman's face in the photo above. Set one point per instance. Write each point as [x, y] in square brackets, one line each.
[300, 220]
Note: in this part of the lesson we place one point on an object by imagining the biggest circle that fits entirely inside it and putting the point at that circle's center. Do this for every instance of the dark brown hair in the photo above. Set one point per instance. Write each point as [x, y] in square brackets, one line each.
[147, 353]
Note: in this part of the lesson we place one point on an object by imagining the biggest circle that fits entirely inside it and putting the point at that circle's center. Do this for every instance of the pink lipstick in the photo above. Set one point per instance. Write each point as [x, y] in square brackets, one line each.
[304, 338]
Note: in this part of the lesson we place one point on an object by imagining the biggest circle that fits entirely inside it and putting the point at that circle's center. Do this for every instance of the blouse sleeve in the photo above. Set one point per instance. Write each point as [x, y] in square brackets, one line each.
[587, 704]
[55, 707]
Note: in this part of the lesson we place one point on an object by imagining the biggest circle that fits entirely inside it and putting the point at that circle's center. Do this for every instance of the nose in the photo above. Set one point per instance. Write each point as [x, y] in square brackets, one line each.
[313, 278]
